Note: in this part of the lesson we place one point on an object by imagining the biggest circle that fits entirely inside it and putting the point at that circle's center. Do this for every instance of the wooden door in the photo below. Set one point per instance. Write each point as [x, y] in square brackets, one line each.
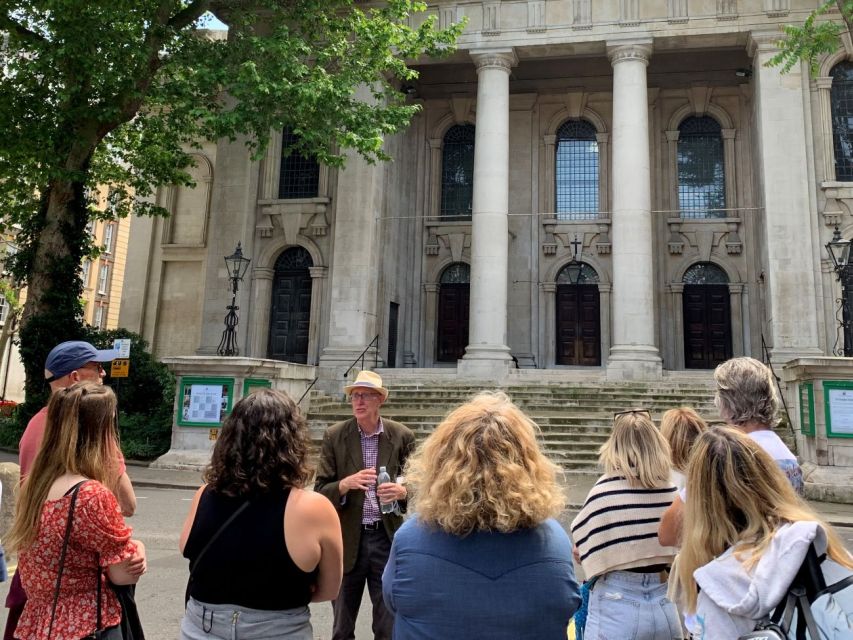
[290, 313]
[707, 325]
[578, 325]
[452, 321]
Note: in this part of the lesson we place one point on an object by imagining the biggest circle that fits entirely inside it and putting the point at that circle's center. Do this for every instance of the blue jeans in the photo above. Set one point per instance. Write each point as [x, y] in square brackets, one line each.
[230, 622]
[631, 606]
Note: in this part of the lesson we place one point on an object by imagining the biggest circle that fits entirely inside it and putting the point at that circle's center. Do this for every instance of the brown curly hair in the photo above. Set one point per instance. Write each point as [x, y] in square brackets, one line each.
[262, 447]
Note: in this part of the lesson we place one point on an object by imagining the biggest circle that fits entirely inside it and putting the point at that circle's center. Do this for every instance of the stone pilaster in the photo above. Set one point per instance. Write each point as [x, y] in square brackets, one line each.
[783, 189]
[633, 353]
[487, 354]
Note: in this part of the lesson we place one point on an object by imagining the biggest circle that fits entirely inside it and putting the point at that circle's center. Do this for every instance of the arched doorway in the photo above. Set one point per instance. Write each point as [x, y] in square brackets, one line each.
[453, 297]
[578, 316]
[707, 317]
[290, 311]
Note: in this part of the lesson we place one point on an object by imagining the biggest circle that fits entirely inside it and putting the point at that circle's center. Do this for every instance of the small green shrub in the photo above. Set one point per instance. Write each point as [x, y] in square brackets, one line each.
[10, 432]
[145, 437]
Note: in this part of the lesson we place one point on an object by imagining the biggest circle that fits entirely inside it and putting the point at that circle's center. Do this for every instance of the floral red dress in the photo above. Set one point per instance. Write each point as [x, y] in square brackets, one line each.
[99, 535]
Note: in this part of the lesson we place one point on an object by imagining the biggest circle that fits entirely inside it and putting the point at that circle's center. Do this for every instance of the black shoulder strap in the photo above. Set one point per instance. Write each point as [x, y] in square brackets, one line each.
[73, 491]
[216, 535]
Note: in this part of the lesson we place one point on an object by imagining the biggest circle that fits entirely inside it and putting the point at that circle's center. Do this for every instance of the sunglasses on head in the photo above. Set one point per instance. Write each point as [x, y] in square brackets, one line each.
[641, 412]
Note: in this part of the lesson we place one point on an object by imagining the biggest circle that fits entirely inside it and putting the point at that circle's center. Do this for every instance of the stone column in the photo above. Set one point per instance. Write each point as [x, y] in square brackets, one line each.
[434, 206]
[672, 177]
[633, 354]
[549, 297]
[259, 326]
[731, 172]
[487, 354]
[604, 291]
[318, 279]
[677, 301]
[783, 191]
[430, 322]
[550, 143]
[603, 140]
[736, 312]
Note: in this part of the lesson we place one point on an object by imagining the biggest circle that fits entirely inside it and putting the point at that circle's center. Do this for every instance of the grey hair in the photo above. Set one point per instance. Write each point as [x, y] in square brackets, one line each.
[746, 392]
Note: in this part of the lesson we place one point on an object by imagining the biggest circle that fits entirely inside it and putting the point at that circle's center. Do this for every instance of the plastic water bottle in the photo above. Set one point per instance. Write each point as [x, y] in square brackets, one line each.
[382, 478]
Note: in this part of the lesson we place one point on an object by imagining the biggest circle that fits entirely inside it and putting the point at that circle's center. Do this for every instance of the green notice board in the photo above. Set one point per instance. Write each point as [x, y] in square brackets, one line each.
[838, 407]
[807, 408]
[205, 402]
[250, 384]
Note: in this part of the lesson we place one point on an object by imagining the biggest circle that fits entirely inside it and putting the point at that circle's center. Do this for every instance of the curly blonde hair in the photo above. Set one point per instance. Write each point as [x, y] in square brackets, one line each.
[482, 470]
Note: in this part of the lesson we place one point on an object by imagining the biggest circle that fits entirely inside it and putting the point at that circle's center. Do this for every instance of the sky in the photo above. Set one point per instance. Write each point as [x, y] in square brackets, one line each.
[214, 24]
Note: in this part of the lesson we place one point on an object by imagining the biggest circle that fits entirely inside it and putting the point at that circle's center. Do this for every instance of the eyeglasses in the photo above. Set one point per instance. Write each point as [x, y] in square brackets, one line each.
[641, 412]
[94, 366]
[363, 396]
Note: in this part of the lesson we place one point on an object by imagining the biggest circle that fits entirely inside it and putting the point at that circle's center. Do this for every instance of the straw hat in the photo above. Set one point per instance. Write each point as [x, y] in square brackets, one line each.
[367, 380]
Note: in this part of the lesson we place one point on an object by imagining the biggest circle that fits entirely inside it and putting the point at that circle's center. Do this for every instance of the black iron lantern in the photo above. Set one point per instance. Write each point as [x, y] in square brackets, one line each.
[839, 251]
[237, 266]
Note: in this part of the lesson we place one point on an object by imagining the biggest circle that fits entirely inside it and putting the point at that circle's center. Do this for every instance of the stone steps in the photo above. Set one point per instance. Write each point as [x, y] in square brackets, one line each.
[574, 417]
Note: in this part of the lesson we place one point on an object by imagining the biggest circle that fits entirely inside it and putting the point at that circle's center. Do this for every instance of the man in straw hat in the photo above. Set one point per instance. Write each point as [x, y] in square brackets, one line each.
[353, 451]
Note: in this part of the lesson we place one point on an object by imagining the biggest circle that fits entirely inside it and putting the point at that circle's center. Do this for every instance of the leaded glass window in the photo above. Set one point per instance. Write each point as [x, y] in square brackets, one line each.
[705, 273]
[701, 169]
[577, 273]
[456, 273]
[576, 169]
[457, 172]
[841, 99]
[299, 176]
[293, 259]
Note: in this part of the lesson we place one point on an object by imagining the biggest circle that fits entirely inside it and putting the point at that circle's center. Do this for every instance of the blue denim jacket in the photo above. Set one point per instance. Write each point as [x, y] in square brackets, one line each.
[501, 586]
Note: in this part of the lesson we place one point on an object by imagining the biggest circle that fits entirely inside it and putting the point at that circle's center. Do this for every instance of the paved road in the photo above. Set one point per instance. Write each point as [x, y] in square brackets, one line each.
[160, 594]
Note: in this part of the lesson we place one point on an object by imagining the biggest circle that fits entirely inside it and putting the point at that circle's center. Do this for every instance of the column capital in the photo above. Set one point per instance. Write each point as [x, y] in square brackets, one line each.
[550, 139]
[262, 273]
[728, 134]
[602, 138]
[763, 42]
[605, 287]
[672, 136]
[504, 59]
[676, 287]
[823, 82]
[735, 288]
[430, 287]
[318, 272]
[548, 287]
[435, 143]
[637, 49]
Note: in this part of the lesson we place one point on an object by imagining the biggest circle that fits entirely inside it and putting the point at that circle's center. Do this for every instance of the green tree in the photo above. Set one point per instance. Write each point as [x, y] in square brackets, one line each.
[816, 37]
[118, 92]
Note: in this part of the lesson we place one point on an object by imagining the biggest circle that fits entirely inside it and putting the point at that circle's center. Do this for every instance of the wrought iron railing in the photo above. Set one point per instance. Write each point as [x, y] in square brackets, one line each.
[766, 353]
[360, 357]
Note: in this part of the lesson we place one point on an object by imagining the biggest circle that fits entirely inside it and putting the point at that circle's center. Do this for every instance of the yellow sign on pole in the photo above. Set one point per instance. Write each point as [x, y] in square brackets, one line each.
[120, 368]
[214, 434]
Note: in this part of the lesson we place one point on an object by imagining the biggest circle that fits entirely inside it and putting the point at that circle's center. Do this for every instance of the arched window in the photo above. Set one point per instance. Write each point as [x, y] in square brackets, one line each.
[705, 273]
[456, 273]
[299, 176]
[457, 172]
[577, 273]
[701, 169]
[841, 99]
[576, 169]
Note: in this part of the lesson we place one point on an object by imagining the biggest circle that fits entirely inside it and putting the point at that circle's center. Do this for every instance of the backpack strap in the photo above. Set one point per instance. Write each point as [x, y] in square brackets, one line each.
[836, 587]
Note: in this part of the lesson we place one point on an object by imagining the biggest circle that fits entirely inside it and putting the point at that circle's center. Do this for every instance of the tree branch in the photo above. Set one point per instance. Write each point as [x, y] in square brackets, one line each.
[188, 14]
[20, 30]
[848, 19]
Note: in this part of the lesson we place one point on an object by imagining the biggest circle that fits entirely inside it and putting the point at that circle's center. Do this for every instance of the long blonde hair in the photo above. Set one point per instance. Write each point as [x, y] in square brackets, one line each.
[482, 470]
[636, 450]
[80, 439]
[737, 496]
[680, 427]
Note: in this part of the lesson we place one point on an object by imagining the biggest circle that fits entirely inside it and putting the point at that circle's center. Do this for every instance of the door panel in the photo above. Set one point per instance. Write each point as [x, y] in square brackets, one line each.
[290, 316]
[707, 325]
[453, 300]
[578, 325]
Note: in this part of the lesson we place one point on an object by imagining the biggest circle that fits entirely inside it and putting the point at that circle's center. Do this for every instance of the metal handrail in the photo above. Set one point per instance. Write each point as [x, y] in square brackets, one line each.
[360, 357]
[302, 397]
[766, 353]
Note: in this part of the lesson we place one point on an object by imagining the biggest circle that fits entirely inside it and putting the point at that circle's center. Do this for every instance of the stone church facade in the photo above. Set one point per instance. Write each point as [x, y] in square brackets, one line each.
[618, 185]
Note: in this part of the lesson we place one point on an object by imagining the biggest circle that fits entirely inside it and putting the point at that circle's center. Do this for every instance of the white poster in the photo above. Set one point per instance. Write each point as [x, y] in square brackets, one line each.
[841, 410]
[206, 404]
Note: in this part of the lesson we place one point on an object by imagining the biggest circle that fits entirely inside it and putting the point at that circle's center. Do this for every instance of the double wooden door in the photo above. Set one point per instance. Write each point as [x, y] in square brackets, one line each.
[453, 300]
[707, 325]
[290, 313]
[578, 325]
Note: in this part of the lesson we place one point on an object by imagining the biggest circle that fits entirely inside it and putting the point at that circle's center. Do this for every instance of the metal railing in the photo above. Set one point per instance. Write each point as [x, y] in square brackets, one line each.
[360, 357]
[302, 397]
[766, 353]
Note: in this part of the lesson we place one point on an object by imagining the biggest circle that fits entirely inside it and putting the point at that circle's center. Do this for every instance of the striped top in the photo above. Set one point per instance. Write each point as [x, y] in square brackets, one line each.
[617, 528]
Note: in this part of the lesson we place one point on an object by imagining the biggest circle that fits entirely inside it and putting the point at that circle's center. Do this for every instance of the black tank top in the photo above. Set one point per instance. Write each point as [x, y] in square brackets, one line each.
[248, 564]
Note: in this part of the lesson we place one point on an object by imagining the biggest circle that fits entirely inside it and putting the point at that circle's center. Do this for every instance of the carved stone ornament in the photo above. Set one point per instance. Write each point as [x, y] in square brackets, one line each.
[504, 59]
[630, 52]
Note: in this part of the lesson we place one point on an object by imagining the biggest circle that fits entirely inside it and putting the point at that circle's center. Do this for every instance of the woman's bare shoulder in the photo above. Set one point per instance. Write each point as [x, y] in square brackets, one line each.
[311, 505]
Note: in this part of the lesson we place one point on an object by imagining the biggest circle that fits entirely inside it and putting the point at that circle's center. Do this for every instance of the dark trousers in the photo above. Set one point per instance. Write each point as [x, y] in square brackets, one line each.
[373, 551]
[15, 601]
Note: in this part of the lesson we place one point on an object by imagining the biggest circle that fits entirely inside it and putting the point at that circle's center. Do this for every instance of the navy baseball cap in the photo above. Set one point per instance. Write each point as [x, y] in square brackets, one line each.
[70, 356]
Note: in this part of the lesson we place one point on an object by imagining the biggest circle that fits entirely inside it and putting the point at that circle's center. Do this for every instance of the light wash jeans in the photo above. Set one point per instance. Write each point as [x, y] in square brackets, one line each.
[230, 622]
[631, 606]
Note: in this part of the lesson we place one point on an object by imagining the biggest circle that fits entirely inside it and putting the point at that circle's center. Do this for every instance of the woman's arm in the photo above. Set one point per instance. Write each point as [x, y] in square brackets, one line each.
[188, 523]
[331, 567]
[125, 495]
[669, 530]
[130, 570]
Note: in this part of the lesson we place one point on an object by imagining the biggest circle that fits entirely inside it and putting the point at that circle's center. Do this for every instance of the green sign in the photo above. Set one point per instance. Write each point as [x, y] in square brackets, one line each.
[838, 407]
[807, 408]
[250, 384]
[204, 402]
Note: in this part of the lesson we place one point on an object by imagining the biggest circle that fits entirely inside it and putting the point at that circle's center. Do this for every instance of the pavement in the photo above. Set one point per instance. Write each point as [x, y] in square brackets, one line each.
[577, 488]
